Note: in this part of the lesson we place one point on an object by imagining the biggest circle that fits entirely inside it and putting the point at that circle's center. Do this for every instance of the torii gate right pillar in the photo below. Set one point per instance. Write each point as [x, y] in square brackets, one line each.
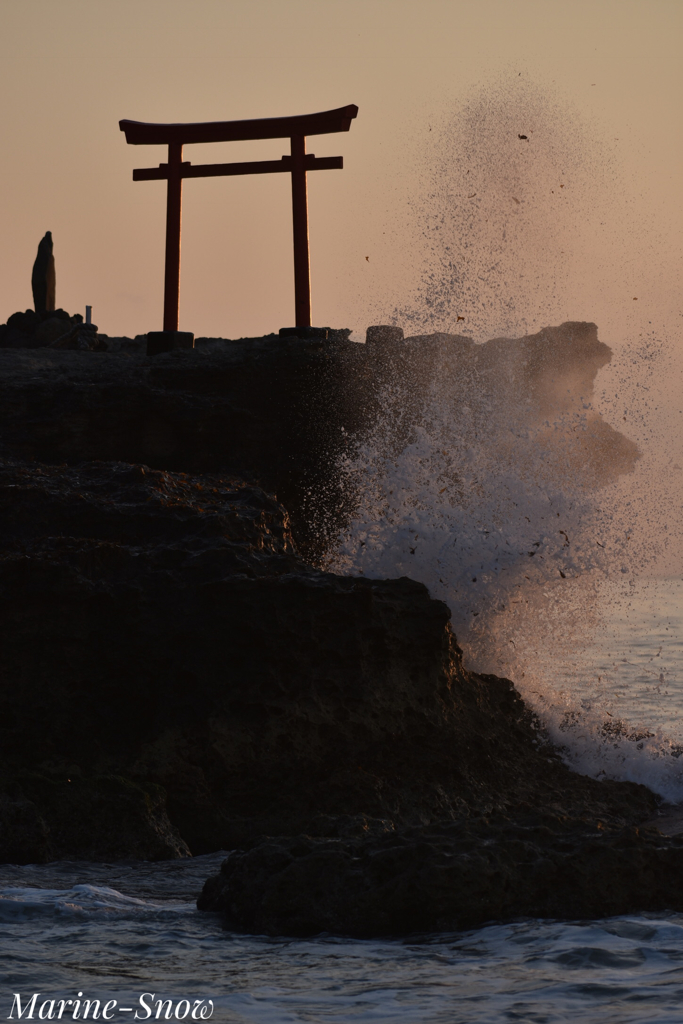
[302, 268]
[173, 213]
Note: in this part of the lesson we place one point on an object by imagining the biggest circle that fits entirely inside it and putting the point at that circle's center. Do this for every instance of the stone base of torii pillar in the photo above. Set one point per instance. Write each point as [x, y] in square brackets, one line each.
[168, 341]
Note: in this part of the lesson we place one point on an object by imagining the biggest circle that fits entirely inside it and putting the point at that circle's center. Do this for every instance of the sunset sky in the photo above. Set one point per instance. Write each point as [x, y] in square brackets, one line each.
[595, 84]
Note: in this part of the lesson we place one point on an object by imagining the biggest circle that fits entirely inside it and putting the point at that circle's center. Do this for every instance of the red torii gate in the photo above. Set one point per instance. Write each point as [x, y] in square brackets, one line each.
[175, 136]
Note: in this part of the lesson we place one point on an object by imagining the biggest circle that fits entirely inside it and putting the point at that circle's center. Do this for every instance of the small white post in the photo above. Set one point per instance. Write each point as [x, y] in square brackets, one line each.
[88, 314]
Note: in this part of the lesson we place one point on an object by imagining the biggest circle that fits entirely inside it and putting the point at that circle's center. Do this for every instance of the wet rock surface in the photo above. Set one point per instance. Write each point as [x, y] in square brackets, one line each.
[161, 628]
[269, 410]
[283, 412]
[47, 814]
[179, 674]
[447, 876]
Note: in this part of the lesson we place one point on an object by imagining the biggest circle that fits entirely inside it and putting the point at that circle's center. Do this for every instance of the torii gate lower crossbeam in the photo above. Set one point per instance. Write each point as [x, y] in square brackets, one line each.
[298, 163]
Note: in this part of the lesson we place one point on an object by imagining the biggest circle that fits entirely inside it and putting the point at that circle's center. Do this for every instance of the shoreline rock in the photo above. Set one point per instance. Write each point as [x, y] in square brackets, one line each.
[446, 877]
[283, 412]
[178, 673]
[161, 627]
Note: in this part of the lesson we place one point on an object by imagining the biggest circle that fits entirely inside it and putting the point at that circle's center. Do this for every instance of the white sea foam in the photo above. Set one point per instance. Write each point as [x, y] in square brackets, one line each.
[81, 901]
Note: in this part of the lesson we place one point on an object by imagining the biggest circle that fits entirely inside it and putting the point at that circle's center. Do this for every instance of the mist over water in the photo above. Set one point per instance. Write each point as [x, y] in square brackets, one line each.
[526, 482]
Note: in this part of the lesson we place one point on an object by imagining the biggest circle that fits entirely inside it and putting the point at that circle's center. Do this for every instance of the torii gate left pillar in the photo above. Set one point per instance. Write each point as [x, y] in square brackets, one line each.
[298, 163]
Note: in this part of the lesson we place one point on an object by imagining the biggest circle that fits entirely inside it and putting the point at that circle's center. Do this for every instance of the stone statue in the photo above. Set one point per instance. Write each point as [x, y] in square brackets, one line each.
[43, 280]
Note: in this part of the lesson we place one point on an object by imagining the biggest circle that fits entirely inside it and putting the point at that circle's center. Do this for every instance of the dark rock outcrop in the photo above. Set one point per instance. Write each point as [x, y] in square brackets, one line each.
[53, 329]
[161, 627]
[55, 812]
[281, 412]
[177, 671]
[447, 876]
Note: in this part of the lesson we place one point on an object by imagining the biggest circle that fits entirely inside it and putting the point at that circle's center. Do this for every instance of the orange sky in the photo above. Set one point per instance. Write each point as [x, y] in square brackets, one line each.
[70, 70]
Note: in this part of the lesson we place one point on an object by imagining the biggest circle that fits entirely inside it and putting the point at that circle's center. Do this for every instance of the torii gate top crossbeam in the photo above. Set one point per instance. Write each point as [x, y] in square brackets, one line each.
[140, 133]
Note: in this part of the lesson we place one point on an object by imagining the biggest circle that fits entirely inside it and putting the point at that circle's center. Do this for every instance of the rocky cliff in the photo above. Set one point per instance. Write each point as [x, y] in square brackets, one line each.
[179, 675]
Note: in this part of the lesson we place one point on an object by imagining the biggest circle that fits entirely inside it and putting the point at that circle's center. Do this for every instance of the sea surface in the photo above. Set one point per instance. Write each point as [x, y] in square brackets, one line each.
[123, 931]
[633, 662]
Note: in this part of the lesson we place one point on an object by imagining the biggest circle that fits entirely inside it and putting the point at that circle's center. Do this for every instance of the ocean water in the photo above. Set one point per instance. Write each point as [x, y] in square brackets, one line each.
[615, 702]
[81, 939]
[68, 935]
[84, 931]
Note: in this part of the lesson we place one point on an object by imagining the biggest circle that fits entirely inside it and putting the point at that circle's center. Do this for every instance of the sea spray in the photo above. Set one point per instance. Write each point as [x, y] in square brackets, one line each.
[481, 470]
[527, 490]
[516, 218]
[490, 476]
